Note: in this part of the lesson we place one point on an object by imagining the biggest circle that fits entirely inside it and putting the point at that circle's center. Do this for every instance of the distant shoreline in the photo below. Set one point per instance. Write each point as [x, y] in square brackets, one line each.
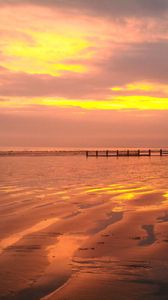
[57, 152]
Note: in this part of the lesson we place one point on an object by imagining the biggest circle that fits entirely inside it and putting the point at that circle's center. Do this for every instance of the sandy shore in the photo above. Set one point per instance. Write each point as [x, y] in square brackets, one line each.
[84, 242]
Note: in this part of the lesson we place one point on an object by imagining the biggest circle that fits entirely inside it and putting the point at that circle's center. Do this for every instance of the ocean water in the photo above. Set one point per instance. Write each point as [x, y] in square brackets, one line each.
[77, 228]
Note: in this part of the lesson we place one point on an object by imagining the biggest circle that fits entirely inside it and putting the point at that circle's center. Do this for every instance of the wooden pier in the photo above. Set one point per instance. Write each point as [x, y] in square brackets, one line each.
[128, 152]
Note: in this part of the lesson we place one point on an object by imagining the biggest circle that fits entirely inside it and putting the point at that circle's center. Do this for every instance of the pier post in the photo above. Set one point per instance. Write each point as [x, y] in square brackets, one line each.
[127, 152]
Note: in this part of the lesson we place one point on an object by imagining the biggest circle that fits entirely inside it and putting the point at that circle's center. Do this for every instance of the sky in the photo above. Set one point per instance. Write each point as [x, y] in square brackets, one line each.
[81, 73]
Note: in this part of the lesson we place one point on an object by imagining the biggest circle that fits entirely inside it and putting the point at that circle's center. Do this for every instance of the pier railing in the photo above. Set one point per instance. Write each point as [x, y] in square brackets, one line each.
[127, 152]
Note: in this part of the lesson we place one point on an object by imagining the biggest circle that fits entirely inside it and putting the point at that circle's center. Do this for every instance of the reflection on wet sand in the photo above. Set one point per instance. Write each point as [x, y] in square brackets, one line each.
[85, 241]
[13, 239]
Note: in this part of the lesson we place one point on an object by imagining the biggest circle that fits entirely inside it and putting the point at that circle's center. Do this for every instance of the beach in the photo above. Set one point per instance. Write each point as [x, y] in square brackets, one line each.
[77, 228]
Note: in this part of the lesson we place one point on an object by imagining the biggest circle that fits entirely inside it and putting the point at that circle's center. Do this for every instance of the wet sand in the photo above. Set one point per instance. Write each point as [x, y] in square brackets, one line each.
[83, 229]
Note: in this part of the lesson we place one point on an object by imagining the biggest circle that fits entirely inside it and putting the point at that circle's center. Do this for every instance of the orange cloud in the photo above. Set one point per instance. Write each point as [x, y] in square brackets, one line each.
[44, 40]
[58, 42]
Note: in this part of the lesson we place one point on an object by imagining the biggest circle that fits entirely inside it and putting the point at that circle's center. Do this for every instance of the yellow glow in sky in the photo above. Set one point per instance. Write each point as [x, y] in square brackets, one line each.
[117, 103]
[48, 53]
[120, 102]
[138, 86]
[142, 86]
